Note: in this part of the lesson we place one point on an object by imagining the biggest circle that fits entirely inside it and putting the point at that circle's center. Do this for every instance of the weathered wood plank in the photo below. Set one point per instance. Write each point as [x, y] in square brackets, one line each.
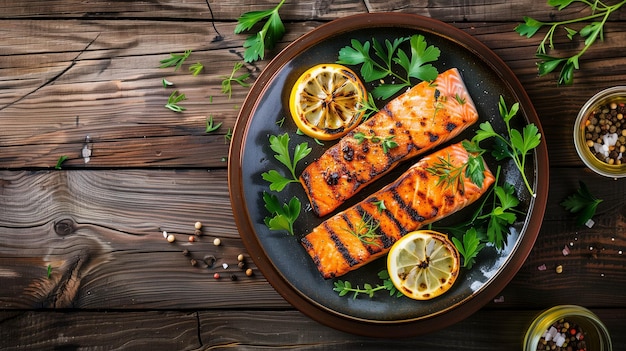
[164, 10]
[252, 330]
[53, 100]
[485, 330]
[101, 235]
[74, 330]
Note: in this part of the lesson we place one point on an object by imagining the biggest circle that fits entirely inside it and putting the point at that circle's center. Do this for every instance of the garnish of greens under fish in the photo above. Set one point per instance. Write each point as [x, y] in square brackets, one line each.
[282, 215]
[517, 145]
[388, 59]
[280, 145]
[599, 14]
[344, 287]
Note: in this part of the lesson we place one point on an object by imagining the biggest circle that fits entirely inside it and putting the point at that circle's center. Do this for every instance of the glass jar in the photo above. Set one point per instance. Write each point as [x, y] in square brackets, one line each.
[596, 335]
[605, 97]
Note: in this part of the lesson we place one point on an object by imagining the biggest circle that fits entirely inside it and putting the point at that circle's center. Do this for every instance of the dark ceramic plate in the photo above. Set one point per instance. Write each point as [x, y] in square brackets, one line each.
[280, 256]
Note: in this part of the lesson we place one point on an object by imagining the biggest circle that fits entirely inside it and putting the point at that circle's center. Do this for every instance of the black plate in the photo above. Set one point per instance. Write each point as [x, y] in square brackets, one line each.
[280, 256]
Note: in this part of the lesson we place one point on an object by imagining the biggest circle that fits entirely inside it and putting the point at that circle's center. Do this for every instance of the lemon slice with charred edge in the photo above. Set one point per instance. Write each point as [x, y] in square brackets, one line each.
[423, 264]
[326, 100]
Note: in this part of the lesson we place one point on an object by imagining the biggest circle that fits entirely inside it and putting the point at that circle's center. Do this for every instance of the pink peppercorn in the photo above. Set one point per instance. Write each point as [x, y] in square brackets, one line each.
[216, 276]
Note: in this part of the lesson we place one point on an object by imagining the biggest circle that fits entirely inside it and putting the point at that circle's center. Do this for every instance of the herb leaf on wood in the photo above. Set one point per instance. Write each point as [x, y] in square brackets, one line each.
[582, 203]
[266, 38]
[590, 33]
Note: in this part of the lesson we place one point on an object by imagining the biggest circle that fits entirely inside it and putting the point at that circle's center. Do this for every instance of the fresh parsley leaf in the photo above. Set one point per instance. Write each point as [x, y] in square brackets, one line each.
[382, 64]
[196, 68]
[280, 145]
[283, 216]
[469, 247]
[49, 271]
[517, 146]
[227, 82]
[272, 31]
[166, 83]
[344, 287]
[60, 161]
[387, 142]
[582, 203]
[590, 33]
[211, 126]
[173, 100]
[175, 60]
[501, 215]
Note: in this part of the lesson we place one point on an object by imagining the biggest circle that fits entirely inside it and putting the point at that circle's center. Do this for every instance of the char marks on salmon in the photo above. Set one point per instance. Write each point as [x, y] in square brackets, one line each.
[367, 230]
[420, 119]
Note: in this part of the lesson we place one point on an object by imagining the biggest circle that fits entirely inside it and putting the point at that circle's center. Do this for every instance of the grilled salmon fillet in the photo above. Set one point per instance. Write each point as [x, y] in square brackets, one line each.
[425, 116]
[367, 230]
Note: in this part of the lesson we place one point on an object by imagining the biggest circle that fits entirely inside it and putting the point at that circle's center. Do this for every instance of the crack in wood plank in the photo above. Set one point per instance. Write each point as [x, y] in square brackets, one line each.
[53, 79]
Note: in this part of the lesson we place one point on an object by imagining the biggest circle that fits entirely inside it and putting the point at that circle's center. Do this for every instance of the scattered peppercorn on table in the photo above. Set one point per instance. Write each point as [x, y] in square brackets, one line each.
[116, 227]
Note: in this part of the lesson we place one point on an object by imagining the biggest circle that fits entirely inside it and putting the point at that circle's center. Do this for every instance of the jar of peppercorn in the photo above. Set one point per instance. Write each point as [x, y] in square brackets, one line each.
[600, 132]
[567, 327]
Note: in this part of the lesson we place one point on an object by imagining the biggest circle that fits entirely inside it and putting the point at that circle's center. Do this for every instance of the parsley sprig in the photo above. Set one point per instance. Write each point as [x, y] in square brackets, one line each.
[282, 216]
[365, 230]
[451, 175]
[175, 60]
[280, 145]
[387, 142]
[517, 145]
[490, 221]
[469, 247]
[344, 287]
[387, 61]
[583, 203]
[272, 31]
[590, 33]
[227, 81]
[174, 99]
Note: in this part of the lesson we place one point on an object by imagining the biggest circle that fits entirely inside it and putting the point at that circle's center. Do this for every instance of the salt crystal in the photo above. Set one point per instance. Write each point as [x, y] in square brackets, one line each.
[225, 265]
[590, 223]
[542, 267]
[565, 250]
[499, 299]
[559, 340]
[165, 234]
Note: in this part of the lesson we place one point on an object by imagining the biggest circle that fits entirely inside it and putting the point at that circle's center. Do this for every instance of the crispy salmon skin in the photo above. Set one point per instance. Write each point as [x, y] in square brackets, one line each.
[367, 230]
[422, 118]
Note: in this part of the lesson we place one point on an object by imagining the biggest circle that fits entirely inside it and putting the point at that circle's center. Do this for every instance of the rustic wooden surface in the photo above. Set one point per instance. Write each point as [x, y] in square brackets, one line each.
[80, 76]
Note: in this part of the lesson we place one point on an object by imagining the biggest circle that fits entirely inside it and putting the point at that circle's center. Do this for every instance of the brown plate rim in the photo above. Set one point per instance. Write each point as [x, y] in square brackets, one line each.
[276, 279]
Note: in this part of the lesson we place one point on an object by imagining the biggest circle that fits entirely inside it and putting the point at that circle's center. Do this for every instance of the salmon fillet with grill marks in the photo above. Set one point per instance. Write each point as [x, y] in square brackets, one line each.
[427, 115]
[367, 231]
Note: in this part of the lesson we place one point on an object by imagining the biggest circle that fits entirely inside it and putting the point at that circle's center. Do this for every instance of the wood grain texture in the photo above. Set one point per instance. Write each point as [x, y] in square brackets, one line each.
[83, 261]
[103, 91]
[249, 330]
[101, 234]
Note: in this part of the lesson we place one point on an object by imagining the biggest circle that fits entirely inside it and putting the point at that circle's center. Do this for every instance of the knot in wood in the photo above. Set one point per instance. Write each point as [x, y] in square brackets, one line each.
[64, 227]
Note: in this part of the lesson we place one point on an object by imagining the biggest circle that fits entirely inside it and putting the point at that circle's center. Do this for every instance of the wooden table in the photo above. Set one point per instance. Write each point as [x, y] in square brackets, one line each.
[83, 262]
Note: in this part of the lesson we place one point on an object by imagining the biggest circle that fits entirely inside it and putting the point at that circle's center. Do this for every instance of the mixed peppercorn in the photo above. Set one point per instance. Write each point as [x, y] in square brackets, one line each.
[563, 335]
[605, 133]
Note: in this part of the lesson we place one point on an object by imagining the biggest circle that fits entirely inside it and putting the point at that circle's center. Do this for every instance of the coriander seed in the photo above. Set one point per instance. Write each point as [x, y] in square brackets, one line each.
[249, 272]
[171, 238]
[198, 225]
[217, 242]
